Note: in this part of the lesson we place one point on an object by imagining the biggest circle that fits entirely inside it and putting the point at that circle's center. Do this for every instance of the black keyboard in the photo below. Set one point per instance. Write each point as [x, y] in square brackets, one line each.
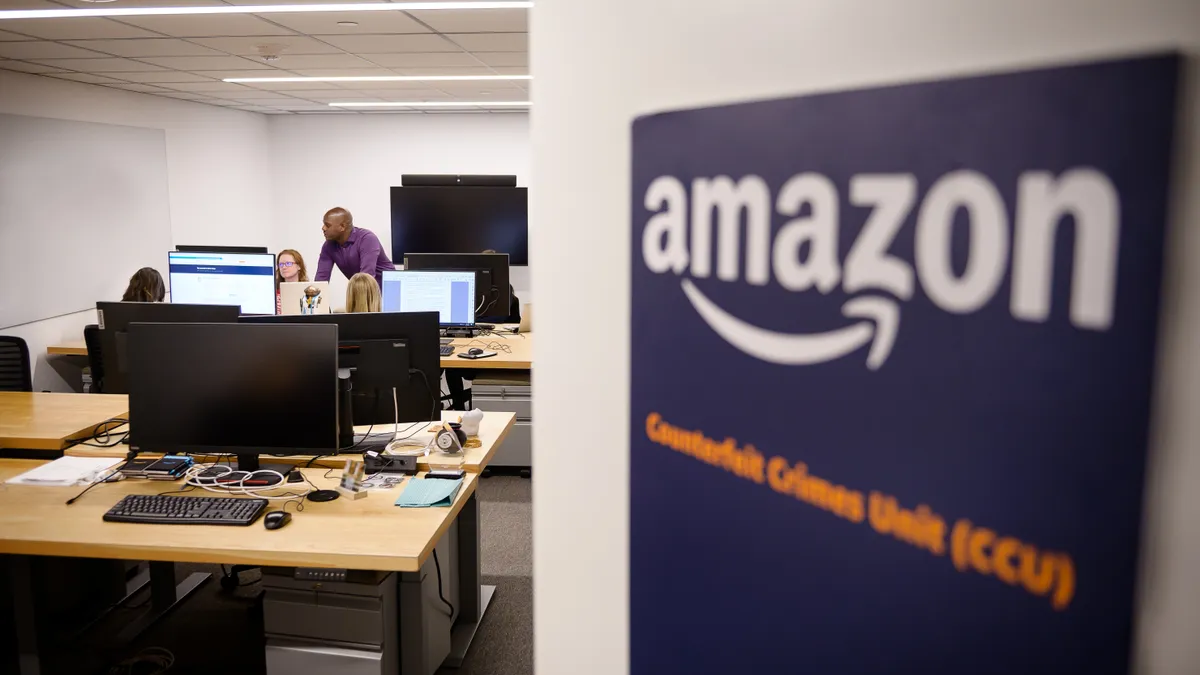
[186, 510]
[447, 350]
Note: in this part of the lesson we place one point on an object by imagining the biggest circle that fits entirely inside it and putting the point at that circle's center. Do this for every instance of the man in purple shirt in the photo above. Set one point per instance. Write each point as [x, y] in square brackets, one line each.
[352, 249]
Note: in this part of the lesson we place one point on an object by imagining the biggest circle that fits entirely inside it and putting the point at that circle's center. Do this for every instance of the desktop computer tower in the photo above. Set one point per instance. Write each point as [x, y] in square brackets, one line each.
[353, 622]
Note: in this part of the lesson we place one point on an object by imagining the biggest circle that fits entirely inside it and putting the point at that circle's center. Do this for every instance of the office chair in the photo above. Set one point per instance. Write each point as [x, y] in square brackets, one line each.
[91, 338]
[16, 372]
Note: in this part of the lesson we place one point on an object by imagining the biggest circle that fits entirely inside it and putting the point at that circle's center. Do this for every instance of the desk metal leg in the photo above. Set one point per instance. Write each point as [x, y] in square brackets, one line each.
[474, 597]
[20, 574]
[164, 595]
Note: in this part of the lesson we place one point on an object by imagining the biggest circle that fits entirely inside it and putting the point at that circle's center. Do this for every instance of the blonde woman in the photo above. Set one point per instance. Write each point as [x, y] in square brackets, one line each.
[362, 294]
[289, 267]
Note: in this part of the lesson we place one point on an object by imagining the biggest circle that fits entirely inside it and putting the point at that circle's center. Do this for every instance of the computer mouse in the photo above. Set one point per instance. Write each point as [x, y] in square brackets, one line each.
[276, 519]
[474, 351]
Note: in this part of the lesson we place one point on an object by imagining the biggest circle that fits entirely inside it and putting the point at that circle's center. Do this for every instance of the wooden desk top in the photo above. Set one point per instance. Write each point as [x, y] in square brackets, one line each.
[492, 431]
[369, 534]
[72, 348]
[520, 358]
[42, 421]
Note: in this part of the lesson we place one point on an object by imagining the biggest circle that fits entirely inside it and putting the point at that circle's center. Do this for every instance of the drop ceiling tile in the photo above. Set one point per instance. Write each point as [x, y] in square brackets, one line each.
[475, 21]
[89, 78]
[205, 87]
[436, 70]
[393, 86]
[284, 86]
[405, 94]
[264, 72]
[100, 65]
[301, 105]
[482, 94]
[26, 67]
[6, 36]
[146, 47]
[297, 2]
[205, 62]
[420, 60]
[44, 50]
[28, 4]
[319, 61]
[491, 42]
[207, 25]
[75, 29]
[143, 88]
[142, 3]
[253, 46]
[343, 72]
[389, 44]
[326, 23]
[320, 94]
[187, 96]
[257, 97]
[164, 76]
[503, 58]
[508, 88]
[511, 70]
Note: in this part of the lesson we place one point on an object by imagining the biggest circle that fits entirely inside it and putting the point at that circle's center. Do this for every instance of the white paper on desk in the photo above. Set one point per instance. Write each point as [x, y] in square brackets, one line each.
[66, 471]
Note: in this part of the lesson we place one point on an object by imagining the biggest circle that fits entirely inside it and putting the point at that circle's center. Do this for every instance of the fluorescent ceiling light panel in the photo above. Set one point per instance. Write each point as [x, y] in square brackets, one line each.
[383, 78]
[432, 104]
[256, 9]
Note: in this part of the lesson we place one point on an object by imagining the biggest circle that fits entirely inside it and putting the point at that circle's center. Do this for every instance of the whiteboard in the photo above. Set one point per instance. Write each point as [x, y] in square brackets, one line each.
[82, 207]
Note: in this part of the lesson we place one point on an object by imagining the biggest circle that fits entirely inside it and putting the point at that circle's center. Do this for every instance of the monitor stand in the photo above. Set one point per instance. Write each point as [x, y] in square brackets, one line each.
[251, 463]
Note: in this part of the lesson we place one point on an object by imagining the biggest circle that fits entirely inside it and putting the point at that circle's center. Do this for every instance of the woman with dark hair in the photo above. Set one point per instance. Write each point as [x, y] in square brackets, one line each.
[146, 285]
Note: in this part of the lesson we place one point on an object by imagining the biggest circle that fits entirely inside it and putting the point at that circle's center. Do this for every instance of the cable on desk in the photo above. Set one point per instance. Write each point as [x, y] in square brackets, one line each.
[438, 566]
[435, 409]
[102, 479]
[103, 434]
[493, 345]
[239, 488]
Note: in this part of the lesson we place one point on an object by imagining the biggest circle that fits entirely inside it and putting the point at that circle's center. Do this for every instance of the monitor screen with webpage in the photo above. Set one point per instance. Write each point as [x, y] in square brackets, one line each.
[449, 293]
[211, 278]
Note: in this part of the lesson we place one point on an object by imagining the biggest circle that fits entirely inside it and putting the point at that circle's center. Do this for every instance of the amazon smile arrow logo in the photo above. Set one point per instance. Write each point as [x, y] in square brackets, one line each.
[883, 320]
[671, 242]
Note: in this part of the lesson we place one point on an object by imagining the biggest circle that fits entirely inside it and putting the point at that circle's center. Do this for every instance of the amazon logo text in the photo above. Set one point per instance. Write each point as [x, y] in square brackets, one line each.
[693, 227]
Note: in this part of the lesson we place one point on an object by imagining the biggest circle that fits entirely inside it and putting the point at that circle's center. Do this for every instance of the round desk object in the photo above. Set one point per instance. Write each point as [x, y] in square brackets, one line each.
[323, 495]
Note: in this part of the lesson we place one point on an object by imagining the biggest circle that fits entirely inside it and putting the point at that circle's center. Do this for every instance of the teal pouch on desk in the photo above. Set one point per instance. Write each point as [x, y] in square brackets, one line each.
[429, 492]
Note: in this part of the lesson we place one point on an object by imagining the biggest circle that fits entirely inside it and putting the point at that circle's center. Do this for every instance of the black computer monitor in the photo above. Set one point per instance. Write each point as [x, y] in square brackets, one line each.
[384, 349]
[221, 249]
[234, 388]
[115, 317]
[452, 218]
[492, 290]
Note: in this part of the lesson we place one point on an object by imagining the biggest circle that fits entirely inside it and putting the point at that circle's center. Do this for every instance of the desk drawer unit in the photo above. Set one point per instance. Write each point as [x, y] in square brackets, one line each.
[517, 449]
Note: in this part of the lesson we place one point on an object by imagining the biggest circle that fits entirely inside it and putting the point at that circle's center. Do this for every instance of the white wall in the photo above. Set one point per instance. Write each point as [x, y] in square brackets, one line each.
[218, 178]
[674, 54]
[322, 161]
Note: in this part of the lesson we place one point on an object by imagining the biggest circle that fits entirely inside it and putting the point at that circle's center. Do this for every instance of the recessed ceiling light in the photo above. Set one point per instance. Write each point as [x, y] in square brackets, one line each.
[348, 24]
[432, 104]
[260, 9]
[382, 78]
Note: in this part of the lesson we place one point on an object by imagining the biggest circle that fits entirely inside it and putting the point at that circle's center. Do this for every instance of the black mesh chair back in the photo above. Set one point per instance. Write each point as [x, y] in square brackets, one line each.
[91, 338]
[16, 372]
